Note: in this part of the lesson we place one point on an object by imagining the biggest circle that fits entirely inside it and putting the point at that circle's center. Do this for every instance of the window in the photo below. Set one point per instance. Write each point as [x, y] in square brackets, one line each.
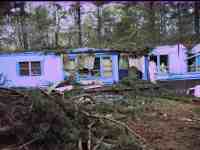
[153, 58]
[107, 66]
[35, 68]
[123, 62]
[194, 64]
[96, 70]
[30, 68]
[24, 68]
[70, 65]
[164, 63]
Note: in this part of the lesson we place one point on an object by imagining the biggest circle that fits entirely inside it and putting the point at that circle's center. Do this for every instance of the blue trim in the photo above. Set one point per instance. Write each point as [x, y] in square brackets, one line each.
[146, 68]
[17, 69]
[158, 63]
[186, 76]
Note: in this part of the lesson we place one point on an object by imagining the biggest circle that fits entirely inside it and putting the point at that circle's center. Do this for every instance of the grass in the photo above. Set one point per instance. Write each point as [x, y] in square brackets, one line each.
[196, 110]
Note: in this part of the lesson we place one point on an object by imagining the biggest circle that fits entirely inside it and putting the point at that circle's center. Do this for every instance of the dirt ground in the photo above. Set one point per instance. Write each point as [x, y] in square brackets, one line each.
[170, 126]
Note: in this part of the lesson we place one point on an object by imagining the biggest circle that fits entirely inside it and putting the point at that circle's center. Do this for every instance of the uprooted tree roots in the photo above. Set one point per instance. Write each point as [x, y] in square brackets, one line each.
[36, 120]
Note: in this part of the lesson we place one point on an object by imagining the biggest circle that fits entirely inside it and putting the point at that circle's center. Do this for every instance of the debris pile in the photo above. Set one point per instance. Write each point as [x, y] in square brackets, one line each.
[36, 120]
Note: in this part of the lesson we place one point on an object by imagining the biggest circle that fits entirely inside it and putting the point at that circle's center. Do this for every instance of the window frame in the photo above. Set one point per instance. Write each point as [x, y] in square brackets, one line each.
[21, 69]
[167, 65]
[103, 70]
[30, 74]
[40, 67]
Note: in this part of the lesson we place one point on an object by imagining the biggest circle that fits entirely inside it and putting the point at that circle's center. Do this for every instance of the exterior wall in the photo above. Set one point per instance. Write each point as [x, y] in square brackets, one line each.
[51, 69]
[195, 49]
[141, 64]
[176, 59]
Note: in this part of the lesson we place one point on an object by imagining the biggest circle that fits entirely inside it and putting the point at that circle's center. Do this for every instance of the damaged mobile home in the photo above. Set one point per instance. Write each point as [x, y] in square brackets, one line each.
[45, 68]
[177, 66]
[175, 62]
[105, 65]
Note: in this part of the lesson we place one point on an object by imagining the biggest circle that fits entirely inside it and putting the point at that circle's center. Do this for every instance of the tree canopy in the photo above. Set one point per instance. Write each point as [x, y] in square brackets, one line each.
[101, 24]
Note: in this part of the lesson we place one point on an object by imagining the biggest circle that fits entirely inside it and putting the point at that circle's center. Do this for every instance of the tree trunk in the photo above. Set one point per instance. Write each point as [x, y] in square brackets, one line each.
[179, 25]
[179, 21]
[151, 16]
[57, 20]
[56, 39]
[19, 32]
[79, 24]
[23, 26]
[162, 19]
[99, 25]
[196, 17]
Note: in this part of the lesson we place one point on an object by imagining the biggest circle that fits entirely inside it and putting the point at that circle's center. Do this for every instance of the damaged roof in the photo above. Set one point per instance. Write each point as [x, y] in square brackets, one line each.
[99, 50]
[139, 52]
[90, 50]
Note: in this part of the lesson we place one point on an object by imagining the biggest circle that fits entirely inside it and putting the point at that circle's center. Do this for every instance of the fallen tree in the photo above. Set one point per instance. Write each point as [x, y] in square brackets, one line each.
[38, 120]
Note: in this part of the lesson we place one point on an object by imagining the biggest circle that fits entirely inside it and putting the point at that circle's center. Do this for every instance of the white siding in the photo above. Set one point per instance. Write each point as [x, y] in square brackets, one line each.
[51, 67]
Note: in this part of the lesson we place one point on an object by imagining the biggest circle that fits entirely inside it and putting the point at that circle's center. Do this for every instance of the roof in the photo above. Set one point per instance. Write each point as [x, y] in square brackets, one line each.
[195, 49]
[98, 50]
[90, 50]
[33, 52]
[139, 52]
[167, 49]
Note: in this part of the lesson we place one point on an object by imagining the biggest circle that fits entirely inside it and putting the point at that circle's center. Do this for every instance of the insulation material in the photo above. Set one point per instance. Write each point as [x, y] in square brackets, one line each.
[196, 90]
[107, 67]
[137, 62]
[89, 62]
[85, 61]
[152, 71]
[196, 49]
[69, 64]
[81, 60]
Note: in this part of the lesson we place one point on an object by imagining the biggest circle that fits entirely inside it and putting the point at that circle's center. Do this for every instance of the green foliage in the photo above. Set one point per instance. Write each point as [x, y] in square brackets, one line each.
[55, 126]
[126, 143]
[129, 27]
[196, 110]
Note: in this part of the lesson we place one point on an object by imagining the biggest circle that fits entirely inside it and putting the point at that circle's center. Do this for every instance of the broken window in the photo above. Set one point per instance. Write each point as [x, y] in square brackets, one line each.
[153, 58]
[198, 63]
[96, 70]
[164, 63]
[24, 68]
[123, 62]
[86, 63]
[107, 66]
[35, 68]
[81, 69]
[193, 63]
[71, 64]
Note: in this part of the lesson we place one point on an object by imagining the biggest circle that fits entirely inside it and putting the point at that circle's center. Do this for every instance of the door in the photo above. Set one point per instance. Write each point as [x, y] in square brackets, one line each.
[106, 68]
